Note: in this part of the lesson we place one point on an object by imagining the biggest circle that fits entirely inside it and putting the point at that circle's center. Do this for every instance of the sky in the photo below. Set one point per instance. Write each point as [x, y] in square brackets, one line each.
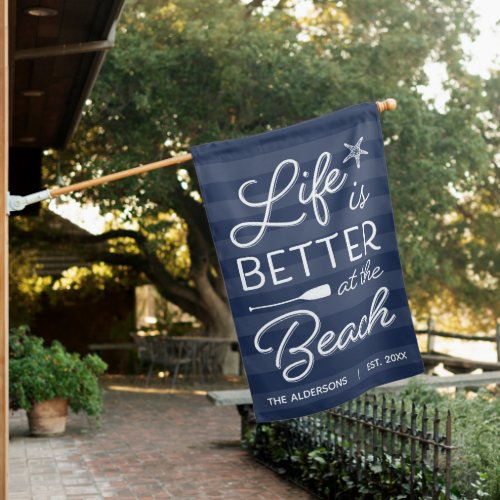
[484, 52]
[486, 48]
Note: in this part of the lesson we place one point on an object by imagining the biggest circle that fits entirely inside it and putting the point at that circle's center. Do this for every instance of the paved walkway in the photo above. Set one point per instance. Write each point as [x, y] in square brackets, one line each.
[150, 445]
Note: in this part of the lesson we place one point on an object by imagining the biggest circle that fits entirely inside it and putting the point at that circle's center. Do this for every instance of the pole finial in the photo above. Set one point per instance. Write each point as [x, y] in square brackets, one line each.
[387, 105]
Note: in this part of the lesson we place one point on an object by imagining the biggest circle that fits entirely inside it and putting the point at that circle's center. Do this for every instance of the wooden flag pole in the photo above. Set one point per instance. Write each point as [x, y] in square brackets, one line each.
[176, 160]
[387, 105]
[19, 202]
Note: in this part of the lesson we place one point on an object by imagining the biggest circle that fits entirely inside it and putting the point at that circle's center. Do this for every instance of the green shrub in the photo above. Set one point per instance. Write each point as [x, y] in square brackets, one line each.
[38, 373]
[333, 473]
[475, 464]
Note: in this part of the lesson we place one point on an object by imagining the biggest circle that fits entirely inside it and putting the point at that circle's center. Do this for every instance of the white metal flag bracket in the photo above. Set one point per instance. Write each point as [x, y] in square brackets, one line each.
[16, 203]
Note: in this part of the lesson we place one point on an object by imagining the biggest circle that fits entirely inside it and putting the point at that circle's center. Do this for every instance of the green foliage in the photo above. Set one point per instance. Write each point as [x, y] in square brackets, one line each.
[421, 394]
[475, 434]
[332, 473]
[188, 72]
[25, 286]
[475, 465]
[38, 373]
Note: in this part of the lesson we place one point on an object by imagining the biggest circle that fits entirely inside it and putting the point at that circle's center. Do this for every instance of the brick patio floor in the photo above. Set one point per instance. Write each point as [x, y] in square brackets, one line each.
[150, 445]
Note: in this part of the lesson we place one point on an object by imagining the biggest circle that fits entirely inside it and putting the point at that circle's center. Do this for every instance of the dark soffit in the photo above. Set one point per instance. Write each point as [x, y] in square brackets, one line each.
[63, 81]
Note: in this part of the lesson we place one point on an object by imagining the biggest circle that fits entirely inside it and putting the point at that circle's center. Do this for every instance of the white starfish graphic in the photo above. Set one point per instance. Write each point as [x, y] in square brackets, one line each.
[356, 152]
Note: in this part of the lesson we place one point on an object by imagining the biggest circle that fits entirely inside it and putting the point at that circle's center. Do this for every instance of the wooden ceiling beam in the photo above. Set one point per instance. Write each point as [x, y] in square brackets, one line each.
[63, 50]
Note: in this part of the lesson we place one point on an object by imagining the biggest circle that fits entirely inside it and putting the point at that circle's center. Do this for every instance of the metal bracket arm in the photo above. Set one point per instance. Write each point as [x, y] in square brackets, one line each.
[16, 203]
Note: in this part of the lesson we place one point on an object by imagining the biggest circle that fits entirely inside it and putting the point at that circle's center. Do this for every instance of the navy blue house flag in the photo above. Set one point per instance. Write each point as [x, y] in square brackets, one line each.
[302, 222]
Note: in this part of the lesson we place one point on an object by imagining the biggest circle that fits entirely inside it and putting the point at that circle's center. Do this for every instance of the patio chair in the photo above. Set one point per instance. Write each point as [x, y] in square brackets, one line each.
[143, 350]
[157, 351]
[174, 356]
[212, 359]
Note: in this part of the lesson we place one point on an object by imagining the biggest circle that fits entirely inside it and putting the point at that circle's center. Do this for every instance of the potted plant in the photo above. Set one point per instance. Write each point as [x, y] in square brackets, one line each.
[45, 380]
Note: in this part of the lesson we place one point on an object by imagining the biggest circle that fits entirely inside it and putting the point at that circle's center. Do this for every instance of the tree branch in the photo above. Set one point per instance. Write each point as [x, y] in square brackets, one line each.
[135, 261]
[118, 233]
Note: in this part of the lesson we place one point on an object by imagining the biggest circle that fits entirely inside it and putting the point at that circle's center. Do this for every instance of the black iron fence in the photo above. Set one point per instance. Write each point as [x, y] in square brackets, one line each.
[370, 447]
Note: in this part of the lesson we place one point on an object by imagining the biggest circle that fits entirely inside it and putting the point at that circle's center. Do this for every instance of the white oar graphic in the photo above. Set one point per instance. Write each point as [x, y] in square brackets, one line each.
[318, 292]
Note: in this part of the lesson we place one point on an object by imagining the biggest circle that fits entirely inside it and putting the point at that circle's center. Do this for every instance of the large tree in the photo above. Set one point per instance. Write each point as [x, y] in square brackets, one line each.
[186, 72]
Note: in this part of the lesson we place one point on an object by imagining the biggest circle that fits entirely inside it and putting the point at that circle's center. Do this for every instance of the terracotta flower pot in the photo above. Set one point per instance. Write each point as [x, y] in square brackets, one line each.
[48, 417]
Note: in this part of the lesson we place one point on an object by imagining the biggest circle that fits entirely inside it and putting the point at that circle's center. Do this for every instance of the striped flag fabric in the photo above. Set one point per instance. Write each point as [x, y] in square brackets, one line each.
[302, 222]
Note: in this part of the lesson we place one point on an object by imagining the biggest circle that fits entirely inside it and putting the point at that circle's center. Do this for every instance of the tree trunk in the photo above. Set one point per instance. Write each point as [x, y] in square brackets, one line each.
[221, 323]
